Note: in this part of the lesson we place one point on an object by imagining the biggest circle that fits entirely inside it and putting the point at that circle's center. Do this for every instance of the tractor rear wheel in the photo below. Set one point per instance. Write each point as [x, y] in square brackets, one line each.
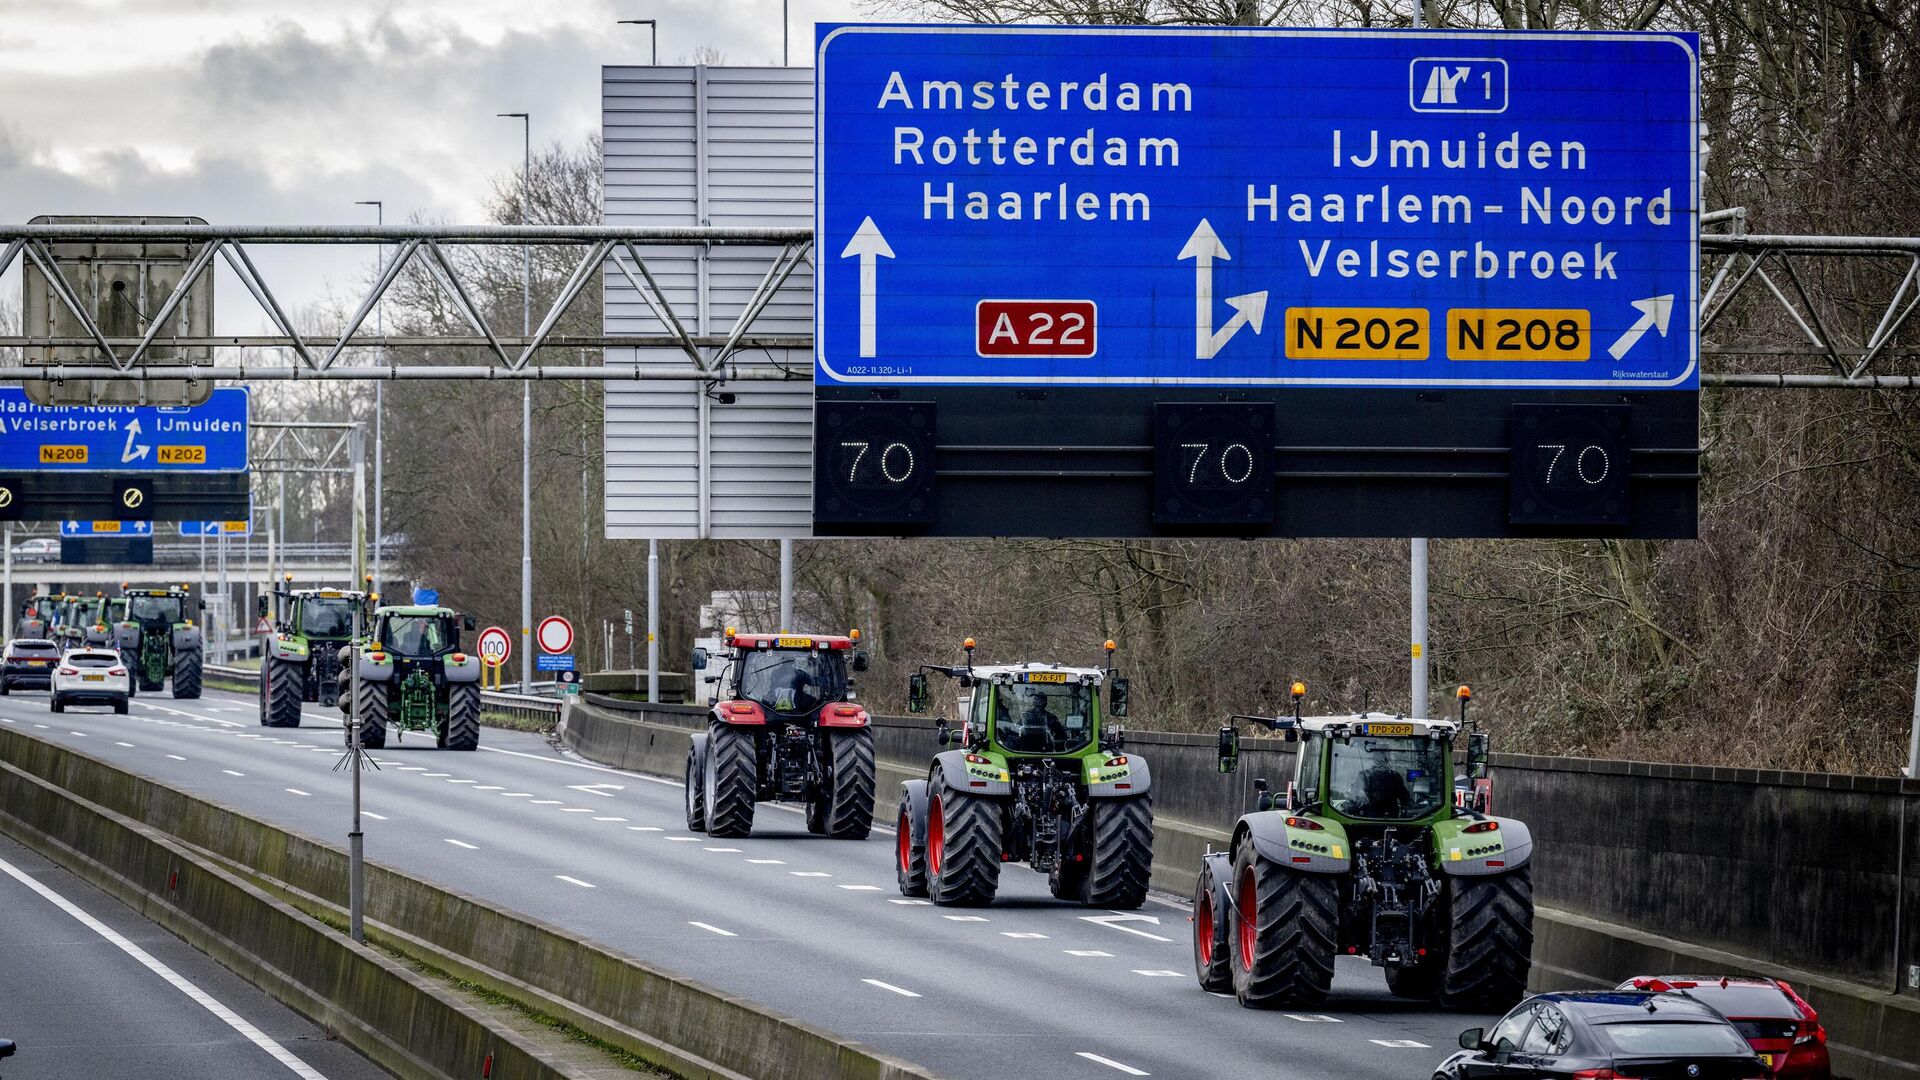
[963, 846]
[463, 716]
[909, 865]
[848, 807]
[1489, 941]
[696, 794]
[732, 779]
[1122, 852]
[1285, 926]
[370, 712]
[285, 687]
[186, 673]
[1212, 958]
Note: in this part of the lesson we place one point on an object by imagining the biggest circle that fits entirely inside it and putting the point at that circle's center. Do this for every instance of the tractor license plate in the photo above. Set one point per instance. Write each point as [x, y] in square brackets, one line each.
[1389, 729]
[796, 643]
[93, 678]
[1047, 676]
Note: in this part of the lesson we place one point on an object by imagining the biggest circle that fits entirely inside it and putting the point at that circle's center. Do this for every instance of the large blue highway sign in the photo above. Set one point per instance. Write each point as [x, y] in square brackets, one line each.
[1034, 206]
[144, 439]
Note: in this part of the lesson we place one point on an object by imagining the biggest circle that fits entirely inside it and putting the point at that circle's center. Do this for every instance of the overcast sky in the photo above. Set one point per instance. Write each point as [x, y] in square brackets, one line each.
[286, 111]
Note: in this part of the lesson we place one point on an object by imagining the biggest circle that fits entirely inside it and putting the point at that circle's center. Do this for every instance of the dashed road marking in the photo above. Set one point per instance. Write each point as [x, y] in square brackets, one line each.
[861, 888]
[413, 768]
[1112, 1064]
[434, 775]
[1313, 1018]
[576, 881]
[575, 810]
[519, 795]
[1160, 974]
[909, 901]
[128, 745]
[964, 918]
[889, 986]
[297, 791]
[544, 802]
[809, 873]
[176, 757]
[1401, 1044]
[81, 734]
[231, 772]
[645, 828]
[461, 781]
[768, 862]
[461, 844]
[609, 818]
[1024, 936]
[374, 816]
[1086, 952]
[713, 929]
[723, 850]
[489, 787]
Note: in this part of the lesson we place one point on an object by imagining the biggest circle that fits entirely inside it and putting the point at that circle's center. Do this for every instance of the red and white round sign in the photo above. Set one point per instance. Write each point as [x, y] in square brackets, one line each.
[495, 645]
[555, 635]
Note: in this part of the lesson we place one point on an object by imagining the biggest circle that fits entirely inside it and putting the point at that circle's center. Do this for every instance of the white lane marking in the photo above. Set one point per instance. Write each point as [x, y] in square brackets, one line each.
[767, 862]
[609, 819]
[374, 816]
[596, 789]
[901, 900]
[645, 828]
[889, 986]
[684, 839]
[461, 843]
[964, 918]
[518, 795]
[861, 888]
[1085, 952]
[1023, 936]
[252, 1034]
[713, 929]
[575, 810]
[722, 850]
[434, 775]
[809, 873]
[489, 787]
[297, 791]
[230, 772]
[1112, 1064]
[1158, 974]
[128, 745]
[81, 734]
[323, 750]
[6, 720]
[176, 757]
[1401, 1044]
[461, 781]
[544, 802]
[42, 727]
[413, 768]
[1114, 920]
[576, 881]
[1313, 1018]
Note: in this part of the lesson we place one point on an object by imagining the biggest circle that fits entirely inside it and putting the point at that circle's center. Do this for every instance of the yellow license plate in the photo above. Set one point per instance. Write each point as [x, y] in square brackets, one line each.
[1389, 729]
[93, 678]
[1047, 676]
[796, 643]
[1767, 1060]
[36, 663]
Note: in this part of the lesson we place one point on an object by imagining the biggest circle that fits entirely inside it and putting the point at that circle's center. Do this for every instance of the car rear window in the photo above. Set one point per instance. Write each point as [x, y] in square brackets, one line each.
[1766, 1029]
[93, 660]
[1639, 1039]
[1749, 1000]
[33, 648]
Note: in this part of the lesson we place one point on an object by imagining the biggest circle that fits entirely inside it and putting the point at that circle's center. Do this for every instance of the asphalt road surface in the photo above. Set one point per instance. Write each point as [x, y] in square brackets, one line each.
[93, 991]
[1030, 987]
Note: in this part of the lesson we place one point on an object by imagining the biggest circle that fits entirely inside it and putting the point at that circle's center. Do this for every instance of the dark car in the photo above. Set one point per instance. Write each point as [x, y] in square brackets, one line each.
[28, 664]
[1606, 1035]
[1777, 1022]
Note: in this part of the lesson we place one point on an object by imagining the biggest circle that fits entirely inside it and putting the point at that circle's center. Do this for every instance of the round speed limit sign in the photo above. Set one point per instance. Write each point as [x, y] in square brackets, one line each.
[495, 645]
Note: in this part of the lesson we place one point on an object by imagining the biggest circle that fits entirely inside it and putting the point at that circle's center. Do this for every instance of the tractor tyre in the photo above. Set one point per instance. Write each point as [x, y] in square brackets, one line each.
[848, 808]
[1122, 852]
[816, 814]
[732, 780]
[186, 673]
[909, 866]
[963, 847]
[57, 704]
[1212, 957]
[1489, 945]
[370, 712]
[463, 716]
[285, 687]
[1285, 926]
[120, 706]
[696, 794]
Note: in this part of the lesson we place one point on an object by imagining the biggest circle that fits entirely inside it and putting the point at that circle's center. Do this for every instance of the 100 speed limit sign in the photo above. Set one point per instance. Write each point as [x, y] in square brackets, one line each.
[495, 645]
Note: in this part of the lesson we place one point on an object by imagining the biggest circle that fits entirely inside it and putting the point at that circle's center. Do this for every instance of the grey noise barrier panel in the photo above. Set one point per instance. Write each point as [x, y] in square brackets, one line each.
[1639, 869]
[665, 1019]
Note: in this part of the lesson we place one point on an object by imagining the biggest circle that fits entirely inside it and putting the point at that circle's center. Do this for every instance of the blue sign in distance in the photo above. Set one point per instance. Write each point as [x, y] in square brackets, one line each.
[132, 438]
[74, 529]
[553, 662]
[216, 528]
[1108, 205]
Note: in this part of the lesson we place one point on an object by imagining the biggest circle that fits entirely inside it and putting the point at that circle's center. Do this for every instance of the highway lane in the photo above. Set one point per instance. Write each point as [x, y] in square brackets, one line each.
[90, 989]
[1030, 987]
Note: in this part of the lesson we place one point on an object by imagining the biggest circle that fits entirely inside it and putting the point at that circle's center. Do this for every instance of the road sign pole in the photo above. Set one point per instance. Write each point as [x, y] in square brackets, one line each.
[6, 617]
[1913, 741]
[653, 622]
[356, 851]
[786, 585]
[223, 610]
[1417, 699]
[358, 548]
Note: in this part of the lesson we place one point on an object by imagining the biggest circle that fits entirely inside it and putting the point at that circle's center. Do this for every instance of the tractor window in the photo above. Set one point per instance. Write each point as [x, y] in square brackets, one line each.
[149, 609]
[791, 681]
[417, 635]
[326, 618]
[1307, 781]
[117, 609]
[1042, 718]
[1391, 779]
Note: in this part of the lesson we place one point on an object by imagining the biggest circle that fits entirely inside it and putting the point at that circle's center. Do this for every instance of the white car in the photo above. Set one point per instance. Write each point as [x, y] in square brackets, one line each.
[39, 549]
[91, 677]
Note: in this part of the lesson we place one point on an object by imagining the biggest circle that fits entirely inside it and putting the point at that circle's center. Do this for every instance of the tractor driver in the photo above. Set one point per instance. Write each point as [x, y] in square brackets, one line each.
[1038, 727]
[1379, 792]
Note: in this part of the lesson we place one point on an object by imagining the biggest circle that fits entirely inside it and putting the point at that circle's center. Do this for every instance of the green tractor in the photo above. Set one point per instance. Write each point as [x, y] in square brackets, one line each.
[1376, 850]
[301, 658]
[413, 677]
[1039, 777]
[34, 620]
[158, 639]
[85, 622]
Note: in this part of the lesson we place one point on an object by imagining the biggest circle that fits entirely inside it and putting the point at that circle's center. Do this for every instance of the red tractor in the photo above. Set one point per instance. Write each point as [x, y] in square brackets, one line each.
[785, 729]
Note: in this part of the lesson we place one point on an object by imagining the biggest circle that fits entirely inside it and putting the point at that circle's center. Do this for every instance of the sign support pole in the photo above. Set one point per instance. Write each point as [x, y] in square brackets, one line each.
[6, 630]
[653, 623]
[786, 586]
[356, 849]
[1417, 703]
[358, 548]
[1913, 741]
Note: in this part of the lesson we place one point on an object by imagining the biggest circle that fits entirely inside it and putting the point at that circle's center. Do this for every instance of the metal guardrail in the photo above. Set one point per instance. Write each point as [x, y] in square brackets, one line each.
[525, 706]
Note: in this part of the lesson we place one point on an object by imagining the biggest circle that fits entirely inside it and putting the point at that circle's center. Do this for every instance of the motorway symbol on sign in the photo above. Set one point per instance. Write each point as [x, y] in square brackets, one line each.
[555, 635]
[142, 438]
[494, 646]
[106, 528]
[1378, 208]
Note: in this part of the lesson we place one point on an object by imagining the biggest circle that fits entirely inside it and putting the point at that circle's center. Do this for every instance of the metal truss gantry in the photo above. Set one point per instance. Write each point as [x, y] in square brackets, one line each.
[1811, 280]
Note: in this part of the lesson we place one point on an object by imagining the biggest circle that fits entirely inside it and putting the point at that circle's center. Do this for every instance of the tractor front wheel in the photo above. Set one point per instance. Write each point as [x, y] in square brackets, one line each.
[1212, 958]
[848, 807]
[909, 864]
[1285, 927]
[186, 673]
[1122, 852]
[963, 847]
[370, 712]
[732, 779]
[463, 716]
[1489, 945]
[696, 793]
[285, 687]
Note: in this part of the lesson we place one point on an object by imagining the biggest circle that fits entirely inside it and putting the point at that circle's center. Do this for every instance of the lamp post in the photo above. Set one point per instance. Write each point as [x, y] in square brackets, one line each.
[526, 416]
[379, 399]
[653, 27]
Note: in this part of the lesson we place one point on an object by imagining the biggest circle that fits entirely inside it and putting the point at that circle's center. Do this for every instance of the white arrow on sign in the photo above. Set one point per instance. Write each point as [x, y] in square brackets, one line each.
[1655, 313]
[870, 246]
[595, 789]
[1114, 920]
[1203, 247]
[70, 527]
[132, 452]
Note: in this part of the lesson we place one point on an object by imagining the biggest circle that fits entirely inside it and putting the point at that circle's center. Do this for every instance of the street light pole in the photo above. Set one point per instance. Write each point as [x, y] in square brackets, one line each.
[653, 25]
[526, 417]
[379, 399]
[786, 32]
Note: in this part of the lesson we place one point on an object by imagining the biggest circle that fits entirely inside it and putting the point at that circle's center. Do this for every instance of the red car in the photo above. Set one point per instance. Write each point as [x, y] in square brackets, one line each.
[1782, 1028]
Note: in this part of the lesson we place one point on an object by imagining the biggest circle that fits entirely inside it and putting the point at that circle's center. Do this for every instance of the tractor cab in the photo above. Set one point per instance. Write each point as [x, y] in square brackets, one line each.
[791, 676]
[417, 634]
[156, 609]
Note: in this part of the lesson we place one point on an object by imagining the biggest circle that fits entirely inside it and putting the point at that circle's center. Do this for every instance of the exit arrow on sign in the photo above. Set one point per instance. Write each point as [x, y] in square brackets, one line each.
[1203, 247]
[1655, 313]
